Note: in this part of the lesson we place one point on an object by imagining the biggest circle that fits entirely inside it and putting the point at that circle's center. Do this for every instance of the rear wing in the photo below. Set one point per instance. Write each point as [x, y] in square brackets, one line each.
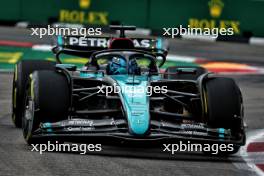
[81, 43]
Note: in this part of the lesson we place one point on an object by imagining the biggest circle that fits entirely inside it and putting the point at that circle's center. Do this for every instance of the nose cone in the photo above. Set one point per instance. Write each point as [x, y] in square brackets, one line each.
[138, 119]
[135, 100]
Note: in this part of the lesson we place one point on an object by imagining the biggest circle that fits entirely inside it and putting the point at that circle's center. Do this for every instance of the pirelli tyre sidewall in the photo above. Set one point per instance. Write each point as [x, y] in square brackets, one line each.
[27, 120]
[21, 73]
[47, 100]
[14, 99]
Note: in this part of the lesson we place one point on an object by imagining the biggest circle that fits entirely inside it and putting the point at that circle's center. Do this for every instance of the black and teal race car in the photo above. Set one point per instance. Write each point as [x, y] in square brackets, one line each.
[121, 95]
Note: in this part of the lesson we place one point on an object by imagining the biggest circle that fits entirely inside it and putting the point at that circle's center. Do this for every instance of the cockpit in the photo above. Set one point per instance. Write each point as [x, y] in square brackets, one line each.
[123, 62]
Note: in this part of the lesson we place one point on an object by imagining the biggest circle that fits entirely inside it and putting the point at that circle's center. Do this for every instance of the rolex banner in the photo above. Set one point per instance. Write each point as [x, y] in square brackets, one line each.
[243, 16]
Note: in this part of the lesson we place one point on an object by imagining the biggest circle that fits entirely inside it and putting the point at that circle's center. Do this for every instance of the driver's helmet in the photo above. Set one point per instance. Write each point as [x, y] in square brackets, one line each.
[117, 66]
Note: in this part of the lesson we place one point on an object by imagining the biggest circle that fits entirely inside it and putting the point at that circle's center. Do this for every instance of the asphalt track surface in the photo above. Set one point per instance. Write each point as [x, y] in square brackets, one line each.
[16, 157]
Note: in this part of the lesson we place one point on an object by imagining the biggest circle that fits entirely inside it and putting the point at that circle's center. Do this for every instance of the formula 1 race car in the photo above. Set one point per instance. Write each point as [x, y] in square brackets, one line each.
[120, 94]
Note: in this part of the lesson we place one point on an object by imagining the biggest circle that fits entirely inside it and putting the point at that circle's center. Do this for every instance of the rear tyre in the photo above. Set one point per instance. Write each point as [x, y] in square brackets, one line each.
[47, 100]
[223, 107]
[184, 72]
[21, 73]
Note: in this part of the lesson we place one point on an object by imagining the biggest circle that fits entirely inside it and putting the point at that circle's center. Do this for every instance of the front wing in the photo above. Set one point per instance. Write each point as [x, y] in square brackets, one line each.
[110, 130]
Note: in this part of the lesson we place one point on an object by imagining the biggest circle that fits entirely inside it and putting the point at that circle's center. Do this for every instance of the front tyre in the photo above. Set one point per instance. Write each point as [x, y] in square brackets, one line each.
[223, 107]
[47, 100]
[22, 71]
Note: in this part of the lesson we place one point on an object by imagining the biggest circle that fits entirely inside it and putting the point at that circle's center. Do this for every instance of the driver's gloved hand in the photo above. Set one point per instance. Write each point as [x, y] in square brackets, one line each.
[133, 68]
